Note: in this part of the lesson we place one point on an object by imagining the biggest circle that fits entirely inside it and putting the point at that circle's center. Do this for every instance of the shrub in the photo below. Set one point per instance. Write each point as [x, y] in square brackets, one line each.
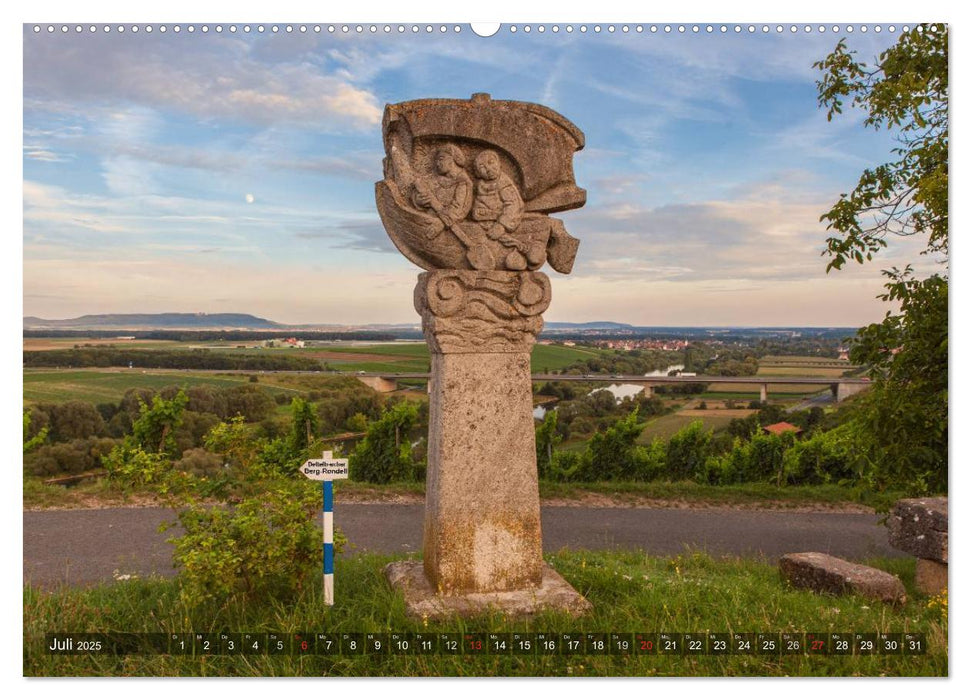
[248, 401]
[649, 461]
[130, 466]
[687, 452]
[71, 420]
[156, 424]
[266, 547]
[34, 438]
[120, 425]
[192, 430]
[63, 458]
[568, 466]
[200, 462]
[357, 423]
[744, 428]
[765, 454]
[384, 455]
[547, 438]
[613, 452]
[304, 424]
[825, 457]
[144, 458]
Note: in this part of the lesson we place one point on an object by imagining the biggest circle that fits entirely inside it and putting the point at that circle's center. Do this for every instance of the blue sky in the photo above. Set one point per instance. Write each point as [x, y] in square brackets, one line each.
[234, 172]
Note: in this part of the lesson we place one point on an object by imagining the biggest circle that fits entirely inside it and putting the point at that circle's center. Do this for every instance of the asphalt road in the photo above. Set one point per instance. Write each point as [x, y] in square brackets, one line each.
[82, 547]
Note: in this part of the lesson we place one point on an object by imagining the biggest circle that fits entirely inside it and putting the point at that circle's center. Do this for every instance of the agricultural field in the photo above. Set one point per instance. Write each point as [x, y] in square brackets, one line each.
[664, 427]
[414, 357]
[781, 366]
[397, 357]
[101, 385]
[802, 360]
[750, 391]
[34, 344]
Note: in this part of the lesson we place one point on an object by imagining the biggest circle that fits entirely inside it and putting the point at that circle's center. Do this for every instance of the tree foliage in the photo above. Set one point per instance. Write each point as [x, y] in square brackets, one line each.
[304, 425]
[547, 438]
[384, 455]
[907, 92]
[613, 454]
[156, 423]
[687, 452]
[30, 442]
[902, 423]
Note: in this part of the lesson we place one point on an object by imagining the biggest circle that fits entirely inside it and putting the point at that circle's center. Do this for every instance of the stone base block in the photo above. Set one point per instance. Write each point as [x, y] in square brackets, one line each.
[931, 577]
[421, 600]
[918, 526]
[823, 573]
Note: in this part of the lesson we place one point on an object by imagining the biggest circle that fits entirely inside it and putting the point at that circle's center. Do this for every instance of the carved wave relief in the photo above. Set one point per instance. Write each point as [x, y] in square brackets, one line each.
[476, 311]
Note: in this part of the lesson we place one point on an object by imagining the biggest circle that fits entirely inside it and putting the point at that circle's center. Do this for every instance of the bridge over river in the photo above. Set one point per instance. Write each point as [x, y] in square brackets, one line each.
[842, 387]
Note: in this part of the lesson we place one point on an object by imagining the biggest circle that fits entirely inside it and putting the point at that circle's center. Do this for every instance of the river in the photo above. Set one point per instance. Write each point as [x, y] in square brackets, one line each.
[620, 391]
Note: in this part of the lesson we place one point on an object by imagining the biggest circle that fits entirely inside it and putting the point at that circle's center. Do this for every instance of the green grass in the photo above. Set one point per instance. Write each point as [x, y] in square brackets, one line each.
[37, 494]
[555, 357]
[416, 349]
[630, 593]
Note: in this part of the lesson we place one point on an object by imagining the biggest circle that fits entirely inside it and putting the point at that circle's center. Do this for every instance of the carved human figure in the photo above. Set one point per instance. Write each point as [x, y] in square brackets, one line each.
[498, 209]
[497, 205]
[448, 192]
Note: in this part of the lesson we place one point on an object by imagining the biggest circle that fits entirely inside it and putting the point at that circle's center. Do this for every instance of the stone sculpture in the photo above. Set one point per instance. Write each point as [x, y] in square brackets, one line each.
[467, 192]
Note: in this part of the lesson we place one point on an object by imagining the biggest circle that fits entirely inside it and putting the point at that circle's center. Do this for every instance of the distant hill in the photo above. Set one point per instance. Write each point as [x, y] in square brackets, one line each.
[248, 322]
[588, 326]
[166, 320]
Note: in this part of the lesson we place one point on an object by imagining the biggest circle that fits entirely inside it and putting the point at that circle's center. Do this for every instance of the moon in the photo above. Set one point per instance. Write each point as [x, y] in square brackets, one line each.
[250, 198]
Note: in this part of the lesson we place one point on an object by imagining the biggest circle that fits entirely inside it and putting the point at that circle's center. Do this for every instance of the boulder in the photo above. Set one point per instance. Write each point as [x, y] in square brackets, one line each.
[823, 573]
[918, 526]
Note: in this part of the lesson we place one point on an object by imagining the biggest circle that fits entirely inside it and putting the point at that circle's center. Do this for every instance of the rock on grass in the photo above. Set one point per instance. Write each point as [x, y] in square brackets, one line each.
[823, 573]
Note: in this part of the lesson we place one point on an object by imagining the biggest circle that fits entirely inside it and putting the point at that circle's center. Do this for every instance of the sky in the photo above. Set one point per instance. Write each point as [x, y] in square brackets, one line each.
[234, 172]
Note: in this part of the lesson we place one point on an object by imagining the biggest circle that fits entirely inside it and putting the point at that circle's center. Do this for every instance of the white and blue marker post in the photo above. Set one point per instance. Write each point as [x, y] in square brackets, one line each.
[326, 470]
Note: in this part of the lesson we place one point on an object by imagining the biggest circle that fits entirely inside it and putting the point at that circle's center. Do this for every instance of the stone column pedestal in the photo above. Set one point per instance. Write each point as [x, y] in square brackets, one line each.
[482, 538]
[918, 526]
[482, 525]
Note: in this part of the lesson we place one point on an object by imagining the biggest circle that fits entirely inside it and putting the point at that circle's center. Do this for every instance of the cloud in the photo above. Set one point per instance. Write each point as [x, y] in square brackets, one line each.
[359, 166]
[767, 233]
[43, 144]
[41, 153]
[128, 177]
[816, 138]
[206, 77]
[137, 133]
[760, 56]
[368, 236]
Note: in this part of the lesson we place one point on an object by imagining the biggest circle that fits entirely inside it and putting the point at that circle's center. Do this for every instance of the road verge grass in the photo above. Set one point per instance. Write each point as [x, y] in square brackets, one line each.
[100, 493]
[630, 592]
